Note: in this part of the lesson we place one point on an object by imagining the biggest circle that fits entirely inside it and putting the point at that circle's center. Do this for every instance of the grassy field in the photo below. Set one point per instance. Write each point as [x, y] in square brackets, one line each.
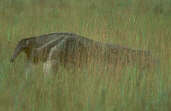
[138, 24]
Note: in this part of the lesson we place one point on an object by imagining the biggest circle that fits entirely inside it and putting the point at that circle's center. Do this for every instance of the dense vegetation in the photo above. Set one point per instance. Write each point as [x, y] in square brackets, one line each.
[139, 24]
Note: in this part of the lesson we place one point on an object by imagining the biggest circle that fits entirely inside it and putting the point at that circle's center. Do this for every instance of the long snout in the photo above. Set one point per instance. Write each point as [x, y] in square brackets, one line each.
[17, 51]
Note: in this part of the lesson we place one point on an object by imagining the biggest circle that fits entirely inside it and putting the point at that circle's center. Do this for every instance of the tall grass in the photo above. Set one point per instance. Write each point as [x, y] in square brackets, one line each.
[133, 23]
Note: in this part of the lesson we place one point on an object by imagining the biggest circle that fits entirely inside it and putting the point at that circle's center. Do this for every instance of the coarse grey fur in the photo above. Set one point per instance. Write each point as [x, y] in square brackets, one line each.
[71, 49]
[28, 45]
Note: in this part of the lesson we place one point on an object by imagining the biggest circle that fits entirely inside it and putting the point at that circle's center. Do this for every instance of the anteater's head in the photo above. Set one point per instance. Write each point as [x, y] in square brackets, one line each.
[22, 46]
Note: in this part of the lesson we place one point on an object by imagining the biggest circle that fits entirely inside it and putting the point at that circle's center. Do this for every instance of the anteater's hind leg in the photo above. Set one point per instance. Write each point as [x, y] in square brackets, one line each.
[148, 69]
